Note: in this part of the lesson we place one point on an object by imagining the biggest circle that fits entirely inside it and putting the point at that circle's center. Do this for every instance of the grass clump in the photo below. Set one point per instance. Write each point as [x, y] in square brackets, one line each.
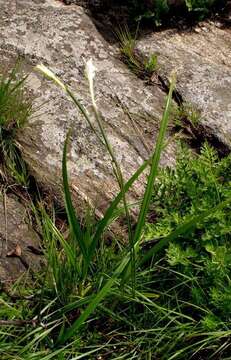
[187, 121]
[144, 68]
[15, 109]
[86, 241]
[157, 296]
[180, 305]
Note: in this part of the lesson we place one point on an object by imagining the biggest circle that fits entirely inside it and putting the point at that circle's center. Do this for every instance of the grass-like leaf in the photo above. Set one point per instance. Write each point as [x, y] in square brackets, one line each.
[154, 166]
[64, 336]
[72, 218]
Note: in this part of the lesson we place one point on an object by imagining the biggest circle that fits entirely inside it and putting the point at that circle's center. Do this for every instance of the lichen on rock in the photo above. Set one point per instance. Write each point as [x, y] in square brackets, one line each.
[63, 39]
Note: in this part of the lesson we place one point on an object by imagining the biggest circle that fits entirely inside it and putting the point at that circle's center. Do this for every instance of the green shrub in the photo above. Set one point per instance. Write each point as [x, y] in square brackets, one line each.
[198, 183]
[158, 9]
[199, 5]
[155, 11]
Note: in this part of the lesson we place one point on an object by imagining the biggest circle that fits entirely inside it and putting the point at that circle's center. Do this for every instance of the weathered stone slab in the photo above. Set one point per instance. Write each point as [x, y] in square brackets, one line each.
[64, 38]
[202, 61]
[18, 241]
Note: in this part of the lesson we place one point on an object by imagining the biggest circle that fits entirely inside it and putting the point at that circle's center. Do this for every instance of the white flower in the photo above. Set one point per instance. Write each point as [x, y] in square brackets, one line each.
[50, 75]
[90, 74]
[90, 70]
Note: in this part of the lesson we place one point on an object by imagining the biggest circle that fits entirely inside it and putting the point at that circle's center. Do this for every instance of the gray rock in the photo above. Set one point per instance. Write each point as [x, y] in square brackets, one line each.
[51, 33]
[202, 61]
[18, 242]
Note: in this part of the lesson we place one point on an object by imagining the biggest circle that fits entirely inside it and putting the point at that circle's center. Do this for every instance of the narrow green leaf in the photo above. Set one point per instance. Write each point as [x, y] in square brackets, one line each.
[73, 221]
[127, 259]
[151, 178]
[154, 167]
[94, 303]
[102, 225]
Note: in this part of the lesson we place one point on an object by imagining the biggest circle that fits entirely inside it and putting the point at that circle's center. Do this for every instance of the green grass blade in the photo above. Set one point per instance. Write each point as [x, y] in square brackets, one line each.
[127, 259]
[145, 205]
[102, 225]
[84, 316]
[19, 84]
[73, 221]
[152, 176]
[154, 166]
[66, 246]
[94, 303]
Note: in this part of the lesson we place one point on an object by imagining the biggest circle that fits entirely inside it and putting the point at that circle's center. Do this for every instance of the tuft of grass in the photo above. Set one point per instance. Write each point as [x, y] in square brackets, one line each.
[15, 109]
[143, 68]
[187, 114]
[132, 258]
[127, 48]
[163, 294]
[127, 264]
[187, 121]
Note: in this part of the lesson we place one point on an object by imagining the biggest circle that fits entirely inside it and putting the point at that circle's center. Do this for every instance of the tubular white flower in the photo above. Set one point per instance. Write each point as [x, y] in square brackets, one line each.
[50, 75]
[90, 74]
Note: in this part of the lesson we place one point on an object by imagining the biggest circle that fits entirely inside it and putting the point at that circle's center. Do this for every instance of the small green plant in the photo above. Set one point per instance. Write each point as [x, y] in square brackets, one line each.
[141, 67]
[127, 48]
[151, 64]
[15, 108]
[187, 113]
[186, 123]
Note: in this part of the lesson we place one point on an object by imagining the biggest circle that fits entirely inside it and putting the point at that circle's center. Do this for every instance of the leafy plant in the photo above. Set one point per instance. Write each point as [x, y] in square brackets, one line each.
[199, 5]
[158, 10]
[151, 64]
[151, 9]
[198, 183]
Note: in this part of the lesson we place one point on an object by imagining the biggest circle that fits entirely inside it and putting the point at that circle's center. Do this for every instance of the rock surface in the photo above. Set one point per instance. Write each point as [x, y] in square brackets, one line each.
[17, 241]
[202, 60]
[63, 38]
